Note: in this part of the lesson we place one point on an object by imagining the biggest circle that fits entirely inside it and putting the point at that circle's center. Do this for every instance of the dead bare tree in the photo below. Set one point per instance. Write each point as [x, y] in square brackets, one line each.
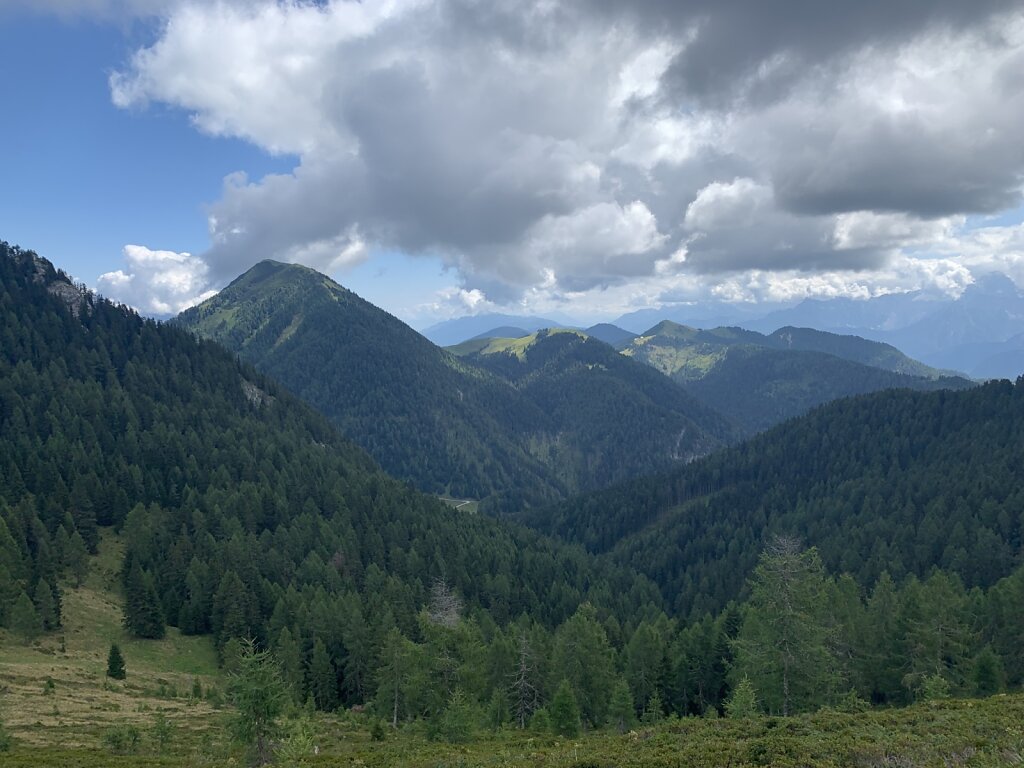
[445, 607]
[525, 697]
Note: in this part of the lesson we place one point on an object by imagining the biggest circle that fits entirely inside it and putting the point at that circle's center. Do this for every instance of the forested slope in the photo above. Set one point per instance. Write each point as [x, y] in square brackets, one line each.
[242, 510]
[894, 481]
[419, 411]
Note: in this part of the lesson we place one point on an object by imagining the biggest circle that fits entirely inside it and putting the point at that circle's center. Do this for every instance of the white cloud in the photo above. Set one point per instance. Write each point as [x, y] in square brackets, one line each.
[157, 282]
[554, 150]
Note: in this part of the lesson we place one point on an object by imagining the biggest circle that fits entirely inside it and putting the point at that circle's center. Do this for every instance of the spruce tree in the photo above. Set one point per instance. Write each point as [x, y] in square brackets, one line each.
[621, 711]
[143, 616]
[565, 712]
[115, 663]
[323, 682]
[23, 620]
[45, 605]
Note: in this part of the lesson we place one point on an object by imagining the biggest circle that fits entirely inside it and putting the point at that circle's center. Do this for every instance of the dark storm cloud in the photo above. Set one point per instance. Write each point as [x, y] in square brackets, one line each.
[738, 37]
[568, 145]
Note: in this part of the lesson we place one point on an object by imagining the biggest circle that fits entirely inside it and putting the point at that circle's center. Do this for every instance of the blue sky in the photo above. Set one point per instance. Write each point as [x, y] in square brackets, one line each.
[611, 159]
[84, 178]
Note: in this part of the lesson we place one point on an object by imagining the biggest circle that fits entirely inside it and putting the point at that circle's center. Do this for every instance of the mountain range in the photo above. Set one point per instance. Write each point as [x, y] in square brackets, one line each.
[216, 503]
[445, 423]
[978, 332]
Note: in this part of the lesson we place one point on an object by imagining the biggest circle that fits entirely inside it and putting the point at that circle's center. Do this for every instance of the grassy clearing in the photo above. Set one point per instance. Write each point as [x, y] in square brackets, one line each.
[82, 702]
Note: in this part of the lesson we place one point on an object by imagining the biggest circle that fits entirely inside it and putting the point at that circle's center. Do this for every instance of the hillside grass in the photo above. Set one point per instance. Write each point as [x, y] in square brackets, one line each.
[955, 733]
[83, 703]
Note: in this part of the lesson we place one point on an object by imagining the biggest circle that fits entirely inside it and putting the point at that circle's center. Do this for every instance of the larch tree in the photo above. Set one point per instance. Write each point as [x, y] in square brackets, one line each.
[783, 645]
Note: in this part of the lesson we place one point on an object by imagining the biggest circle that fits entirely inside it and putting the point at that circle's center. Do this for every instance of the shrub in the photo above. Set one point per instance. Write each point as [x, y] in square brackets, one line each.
[122, 739]
[162, 732]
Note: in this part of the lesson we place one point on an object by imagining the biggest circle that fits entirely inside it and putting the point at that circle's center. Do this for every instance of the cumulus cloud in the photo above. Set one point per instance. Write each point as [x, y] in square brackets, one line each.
[546, 150]
[157, 282]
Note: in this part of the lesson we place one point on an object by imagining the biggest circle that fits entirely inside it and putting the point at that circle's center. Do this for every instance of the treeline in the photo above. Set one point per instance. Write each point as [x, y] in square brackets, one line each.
[803, 640]
[899, 482]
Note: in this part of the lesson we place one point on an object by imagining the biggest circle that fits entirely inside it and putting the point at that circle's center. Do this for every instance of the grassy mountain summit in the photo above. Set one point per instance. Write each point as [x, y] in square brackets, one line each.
[611, 417]
[762, 380]
[446, 423]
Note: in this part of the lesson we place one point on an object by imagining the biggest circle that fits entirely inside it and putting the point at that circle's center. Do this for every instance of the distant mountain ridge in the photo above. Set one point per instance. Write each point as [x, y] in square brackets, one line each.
[762, 380]
[461, 329]
[963, 334]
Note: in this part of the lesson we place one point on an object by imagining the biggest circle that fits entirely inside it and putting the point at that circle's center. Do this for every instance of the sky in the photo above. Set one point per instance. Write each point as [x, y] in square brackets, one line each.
[580, 157]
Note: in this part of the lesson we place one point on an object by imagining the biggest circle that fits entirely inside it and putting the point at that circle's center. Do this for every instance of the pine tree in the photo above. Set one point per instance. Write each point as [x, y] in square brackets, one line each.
[115, 663]
[497, 710]
[645, 659]
[524, 692]
[654, 710]
[392, 672]
[77, 558]
[621, 710]
[457, 719]
[565, 712]
[583, 655]
[988, 676]
[540, 721]
[23, 620]
[289, 656]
